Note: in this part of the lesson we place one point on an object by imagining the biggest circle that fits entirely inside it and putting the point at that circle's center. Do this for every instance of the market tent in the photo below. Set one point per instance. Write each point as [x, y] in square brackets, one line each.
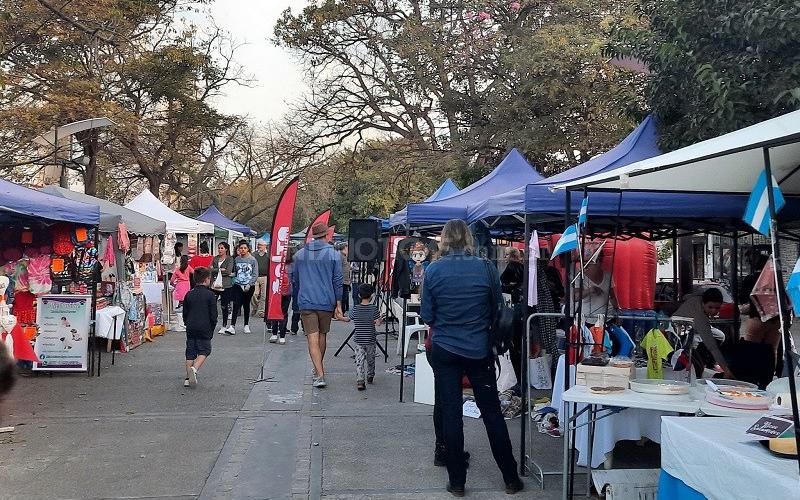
[730, 163]
[214, 216]
[640, 144]
[19, 202]
[513, 172]
[147, 203]
[111, 213]
[447, 189]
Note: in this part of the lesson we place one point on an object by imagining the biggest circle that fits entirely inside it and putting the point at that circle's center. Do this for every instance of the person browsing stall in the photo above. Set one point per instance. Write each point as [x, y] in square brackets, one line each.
[260, 293]
[701, 308]
[244, 284]
[222, 266]
[460, 297]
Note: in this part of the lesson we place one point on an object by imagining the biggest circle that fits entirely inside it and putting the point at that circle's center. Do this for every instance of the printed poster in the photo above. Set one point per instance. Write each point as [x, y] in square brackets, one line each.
[63, 338]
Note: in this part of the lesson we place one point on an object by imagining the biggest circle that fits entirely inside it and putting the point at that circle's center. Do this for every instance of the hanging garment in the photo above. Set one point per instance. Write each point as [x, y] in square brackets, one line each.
[124, 239]
[39, 275]
[621, 342]
[19, 346]
[658, 349]
[21, 282]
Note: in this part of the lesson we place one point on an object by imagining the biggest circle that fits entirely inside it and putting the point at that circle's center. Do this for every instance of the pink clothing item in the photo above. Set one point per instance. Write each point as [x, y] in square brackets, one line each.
[124, 240]
[182, 284]
[109, 256]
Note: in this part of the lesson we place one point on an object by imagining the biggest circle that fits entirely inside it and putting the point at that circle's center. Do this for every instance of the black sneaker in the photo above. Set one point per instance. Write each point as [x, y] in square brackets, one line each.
[456, 491]
[514, 487]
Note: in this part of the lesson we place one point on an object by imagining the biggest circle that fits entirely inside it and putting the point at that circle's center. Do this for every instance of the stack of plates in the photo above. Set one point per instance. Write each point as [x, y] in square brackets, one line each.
[653, 386]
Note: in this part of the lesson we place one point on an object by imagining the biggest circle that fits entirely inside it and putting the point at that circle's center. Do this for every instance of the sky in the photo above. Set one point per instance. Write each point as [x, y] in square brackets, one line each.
[277, 78]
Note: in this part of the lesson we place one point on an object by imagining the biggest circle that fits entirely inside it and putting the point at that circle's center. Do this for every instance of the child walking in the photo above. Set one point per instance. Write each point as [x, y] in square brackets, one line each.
[200, 318]
[365, 318]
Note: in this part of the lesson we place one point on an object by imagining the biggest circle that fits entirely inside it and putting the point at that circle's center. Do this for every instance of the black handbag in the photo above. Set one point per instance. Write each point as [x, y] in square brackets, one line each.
[501, 331]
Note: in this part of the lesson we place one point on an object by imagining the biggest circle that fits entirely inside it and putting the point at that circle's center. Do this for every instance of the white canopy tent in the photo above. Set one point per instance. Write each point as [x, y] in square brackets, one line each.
[730, 163]
[151, 206]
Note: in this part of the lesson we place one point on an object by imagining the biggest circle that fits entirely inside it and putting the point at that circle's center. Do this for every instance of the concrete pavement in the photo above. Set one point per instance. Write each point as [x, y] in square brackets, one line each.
[135, 432]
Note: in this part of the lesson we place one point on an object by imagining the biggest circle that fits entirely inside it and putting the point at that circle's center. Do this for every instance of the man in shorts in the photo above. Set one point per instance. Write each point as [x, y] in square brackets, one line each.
[318, 280]
[200, 318]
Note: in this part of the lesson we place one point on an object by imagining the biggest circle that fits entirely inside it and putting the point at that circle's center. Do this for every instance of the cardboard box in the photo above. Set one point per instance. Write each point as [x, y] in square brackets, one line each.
[604, 376]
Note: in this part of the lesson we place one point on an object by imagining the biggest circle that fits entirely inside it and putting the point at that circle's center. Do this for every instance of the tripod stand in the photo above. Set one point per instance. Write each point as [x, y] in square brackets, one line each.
[261, 377]
[347, 343]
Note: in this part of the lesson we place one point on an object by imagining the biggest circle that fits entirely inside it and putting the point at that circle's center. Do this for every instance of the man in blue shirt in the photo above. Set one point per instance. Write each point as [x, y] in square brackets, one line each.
[317, 278]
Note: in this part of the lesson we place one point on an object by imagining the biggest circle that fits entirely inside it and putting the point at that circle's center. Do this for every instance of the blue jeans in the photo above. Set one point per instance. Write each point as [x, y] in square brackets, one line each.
[448, 370]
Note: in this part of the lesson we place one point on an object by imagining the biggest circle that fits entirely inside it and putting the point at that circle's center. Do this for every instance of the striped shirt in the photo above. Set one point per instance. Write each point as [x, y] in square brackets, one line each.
[364, 317]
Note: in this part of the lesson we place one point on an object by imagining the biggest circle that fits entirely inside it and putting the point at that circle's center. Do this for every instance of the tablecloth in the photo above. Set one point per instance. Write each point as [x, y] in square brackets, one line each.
[631, 424]
[105, 322]
[153, 292]
[712, 456]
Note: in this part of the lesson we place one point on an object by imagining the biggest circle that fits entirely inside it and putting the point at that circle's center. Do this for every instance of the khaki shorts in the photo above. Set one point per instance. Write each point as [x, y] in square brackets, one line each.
[316, 321]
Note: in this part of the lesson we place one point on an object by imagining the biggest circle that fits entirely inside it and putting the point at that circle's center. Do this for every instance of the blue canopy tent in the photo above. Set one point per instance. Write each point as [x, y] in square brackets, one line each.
[212, 215]
[18, 203]
[640, 144]
[513, 172]
[447, 189]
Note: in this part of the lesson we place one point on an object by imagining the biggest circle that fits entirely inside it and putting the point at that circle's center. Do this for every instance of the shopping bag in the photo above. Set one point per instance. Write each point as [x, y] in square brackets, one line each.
[218, 281]
[506, 378]
[539, 375]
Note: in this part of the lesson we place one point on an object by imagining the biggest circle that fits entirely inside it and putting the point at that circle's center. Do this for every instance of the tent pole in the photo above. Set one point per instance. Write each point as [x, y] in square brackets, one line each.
[93, 291]
[523, 369]
[566, 260]
[675, 265]
[737, 319]
[776, 261]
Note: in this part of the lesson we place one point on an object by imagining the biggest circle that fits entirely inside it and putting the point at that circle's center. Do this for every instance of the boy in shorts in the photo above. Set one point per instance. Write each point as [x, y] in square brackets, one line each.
[200, 318]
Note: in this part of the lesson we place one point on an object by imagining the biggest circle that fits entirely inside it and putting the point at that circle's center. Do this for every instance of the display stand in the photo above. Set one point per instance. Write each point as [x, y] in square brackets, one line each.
[261, 377]
[346, 343]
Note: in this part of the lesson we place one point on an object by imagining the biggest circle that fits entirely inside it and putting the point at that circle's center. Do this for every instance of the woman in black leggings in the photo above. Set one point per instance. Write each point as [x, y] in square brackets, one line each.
[246, 268]
[222, 266]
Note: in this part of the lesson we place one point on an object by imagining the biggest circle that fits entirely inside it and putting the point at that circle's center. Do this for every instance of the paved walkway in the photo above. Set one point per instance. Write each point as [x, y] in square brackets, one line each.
[135, 432]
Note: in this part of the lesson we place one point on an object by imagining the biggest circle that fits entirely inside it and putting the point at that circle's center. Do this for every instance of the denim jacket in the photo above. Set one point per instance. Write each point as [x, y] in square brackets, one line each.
[460, 295]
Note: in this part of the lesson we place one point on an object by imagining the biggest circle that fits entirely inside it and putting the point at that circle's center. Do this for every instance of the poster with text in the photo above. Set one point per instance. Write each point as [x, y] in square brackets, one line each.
[63, 332]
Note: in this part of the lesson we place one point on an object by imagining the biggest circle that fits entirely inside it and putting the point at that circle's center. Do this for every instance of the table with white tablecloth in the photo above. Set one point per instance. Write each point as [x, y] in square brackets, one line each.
[714, 457]
[630, 425]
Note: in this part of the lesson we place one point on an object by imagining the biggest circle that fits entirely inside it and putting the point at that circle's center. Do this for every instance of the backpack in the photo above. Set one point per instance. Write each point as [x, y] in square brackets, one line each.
[501, 331]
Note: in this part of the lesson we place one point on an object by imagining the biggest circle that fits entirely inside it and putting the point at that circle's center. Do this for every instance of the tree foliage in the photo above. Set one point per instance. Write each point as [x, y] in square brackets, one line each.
[715, 65]
[472, 77]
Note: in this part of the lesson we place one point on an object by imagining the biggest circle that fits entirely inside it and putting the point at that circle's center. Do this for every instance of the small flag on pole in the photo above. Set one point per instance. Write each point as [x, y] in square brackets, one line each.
[567, 242]
[757, 211]
[582, 215]
[793, 288]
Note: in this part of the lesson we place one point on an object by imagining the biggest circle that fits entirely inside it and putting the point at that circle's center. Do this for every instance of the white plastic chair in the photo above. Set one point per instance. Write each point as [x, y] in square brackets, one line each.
[414, 326]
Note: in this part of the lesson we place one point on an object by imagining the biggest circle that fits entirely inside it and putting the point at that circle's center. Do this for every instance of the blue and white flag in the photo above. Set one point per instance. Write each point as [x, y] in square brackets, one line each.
[793, 288]
[582, 215]
[567, 242]
[757, 211]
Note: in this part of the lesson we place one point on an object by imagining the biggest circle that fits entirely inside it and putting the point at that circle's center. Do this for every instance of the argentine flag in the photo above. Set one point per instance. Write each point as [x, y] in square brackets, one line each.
[582, 215]
[793, 288]
[567, 242]
[757, 211]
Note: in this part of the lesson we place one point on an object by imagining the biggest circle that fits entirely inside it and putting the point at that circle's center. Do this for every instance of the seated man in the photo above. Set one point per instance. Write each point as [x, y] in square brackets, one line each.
[700, 308]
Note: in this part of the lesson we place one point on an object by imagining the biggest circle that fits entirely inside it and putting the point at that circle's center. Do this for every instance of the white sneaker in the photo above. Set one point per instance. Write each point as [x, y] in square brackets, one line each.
[247, 329]
[319, 383]
[223, 330]
[193, 376]
[273, 339]
[231, 330]
[282, 341]
[186, 382]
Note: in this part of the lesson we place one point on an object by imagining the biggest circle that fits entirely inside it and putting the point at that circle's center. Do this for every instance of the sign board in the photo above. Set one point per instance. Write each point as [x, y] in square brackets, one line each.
[63, 338]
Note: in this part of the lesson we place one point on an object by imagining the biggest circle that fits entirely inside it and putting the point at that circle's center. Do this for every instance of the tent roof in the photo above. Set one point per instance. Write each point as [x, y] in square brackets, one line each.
[20, 202]
[448, 188]
[112, 214]
[638, 145]
[730, 163]
[513, 172]
[146, 202]
[214, 216]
